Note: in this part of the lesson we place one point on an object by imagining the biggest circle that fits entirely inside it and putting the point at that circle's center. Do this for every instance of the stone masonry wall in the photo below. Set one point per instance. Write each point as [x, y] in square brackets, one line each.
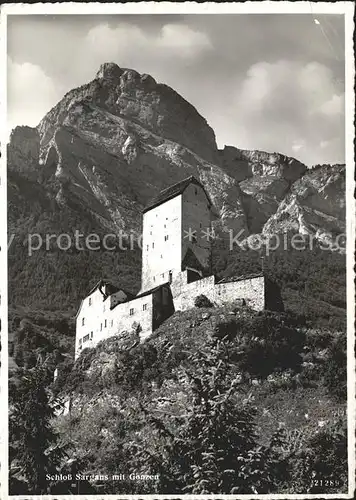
[252, 290]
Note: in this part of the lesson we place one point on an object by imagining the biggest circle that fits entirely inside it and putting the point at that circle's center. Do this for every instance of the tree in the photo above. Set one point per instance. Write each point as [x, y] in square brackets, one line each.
[214, 448]
[34, 447]
[202, 301]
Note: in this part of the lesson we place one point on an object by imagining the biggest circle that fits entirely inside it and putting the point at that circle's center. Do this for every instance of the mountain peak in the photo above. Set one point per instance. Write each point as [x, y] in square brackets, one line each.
[110, 71]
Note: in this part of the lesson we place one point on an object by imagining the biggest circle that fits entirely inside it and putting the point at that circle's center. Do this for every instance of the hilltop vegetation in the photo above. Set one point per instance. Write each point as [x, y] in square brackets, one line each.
[170, 405]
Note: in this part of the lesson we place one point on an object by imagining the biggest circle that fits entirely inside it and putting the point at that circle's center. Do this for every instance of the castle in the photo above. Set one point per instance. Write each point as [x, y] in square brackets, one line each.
[176, 260]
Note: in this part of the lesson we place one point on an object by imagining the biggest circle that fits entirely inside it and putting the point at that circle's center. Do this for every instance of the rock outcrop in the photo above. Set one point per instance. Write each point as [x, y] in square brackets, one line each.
[23, 151]
[315, 205]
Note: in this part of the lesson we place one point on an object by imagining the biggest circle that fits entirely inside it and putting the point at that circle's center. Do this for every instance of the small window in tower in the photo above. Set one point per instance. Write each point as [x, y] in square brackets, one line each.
[104, 308]
[147, 247]
[83, 321]
[101, 326]
[161, 256]
[80, 341]
[153, 245]
[144, 307]
[154, 278]
[91, 335]
[132, 312]
[112, 322]
[105, 323]
[86, 338]
[162, 275]
[164, 226]
[90, 301]
[166, 238]
[151, 233]
[196, 191]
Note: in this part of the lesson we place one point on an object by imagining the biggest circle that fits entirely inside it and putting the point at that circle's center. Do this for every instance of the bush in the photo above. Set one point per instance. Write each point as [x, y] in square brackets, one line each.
[335, 374]
[271, 345]
[202, 301]
[226, 328]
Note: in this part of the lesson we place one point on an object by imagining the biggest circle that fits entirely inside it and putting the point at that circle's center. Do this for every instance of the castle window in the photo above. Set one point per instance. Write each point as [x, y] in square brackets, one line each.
[83, 321]
[105, 323]
[90, 301]
[86, 338]
[161, 256]
[164, 226]
[154, 278]
[104, 307]
[162, 275]
[80, 342]
[196, 191]
[166, 238]
[153, 245]
[101, 326]
[132, 312]
[170, 276]
[91, 335]
[144, 307]
[112, 322]
[147, 247]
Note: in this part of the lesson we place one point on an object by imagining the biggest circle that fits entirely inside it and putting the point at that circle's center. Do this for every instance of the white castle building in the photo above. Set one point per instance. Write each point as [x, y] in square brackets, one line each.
[176, 260]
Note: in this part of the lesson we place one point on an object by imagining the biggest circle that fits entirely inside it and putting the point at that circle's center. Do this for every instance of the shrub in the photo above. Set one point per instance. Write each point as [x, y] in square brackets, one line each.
[271, 345]
[226, 328]
[202, 301]
[335, 375]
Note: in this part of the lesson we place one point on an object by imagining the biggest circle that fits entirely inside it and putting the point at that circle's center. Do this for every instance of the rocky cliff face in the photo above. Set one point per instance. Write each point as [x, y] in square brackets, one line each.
[109, 146]
[314, 205]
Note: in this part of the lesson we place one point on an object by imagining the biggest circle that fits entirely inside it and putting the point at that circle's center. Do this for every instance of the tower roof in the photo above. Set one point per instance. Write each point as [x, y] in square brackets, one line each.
[173, 191]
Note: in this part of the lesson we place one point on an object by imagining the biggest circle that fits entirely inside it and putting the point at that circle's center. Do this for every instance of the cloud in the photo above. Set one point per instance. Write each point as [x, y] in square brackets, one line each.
[335, 106]
[30, 94]
[183, 40]
[291, 107]
[127, 41]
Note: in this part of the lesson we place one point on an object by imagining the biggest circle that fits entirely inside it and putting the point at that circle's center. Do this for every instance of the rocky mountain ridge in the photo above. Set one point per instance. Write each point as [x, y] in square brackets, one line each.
[110, 145]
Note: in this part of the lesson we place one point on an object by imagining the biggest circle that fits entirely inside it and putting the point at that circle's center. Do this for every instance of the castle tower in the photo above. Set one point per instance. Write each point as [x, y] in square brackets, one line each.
[175, 226]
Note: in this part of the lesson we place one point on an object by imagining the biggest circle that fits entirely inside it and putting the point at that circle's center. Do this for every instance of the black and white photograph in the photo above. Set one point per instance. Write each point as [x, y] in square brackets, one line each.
[178, 236]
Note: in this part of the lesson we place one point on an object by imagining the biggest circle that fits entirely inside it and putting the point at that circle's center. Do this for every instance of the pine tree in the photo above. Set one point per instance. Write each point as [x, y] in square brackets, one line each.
[34, 448]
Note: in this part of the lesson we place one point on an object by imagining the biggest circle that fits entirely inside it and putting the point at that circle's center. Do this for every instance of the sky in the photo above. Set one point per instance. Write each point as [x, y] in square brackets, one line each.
[273, 82]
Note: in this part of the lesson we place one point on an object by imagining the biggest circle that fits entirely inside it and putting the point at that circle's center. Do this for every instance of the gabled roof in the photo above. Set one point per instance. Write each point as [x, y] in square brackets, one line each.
[240, 278]
[111, 289]
[102, 282]
[173, 191]
[152, 290]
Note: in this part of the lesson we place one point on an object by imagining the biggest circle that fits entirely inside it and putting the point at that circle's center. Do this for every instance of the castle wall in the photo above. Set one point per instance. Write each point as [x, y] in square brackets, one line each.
[161, 245]
[251, 290]
[196, 216]
[184, 293]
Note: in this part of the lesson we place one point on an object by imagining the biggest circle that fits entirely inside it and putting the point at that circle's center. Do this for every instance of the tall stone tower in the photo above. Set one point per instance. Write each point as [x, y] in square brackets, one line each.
[175, 226]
